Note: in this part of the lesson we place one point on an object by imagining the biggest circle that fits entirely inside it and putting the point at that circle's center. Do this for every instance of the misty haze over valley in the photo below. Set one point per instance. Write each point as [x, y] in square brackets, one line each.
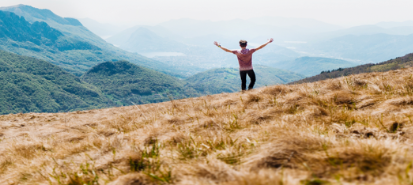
[188, 43]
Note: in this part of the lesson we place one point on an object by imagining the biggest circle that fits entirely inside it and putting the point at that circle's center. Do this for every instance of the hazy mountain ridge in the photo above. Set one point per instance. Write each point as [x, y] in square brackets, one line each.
[362, 30]
[34, 14]
[195, 54]
[360, 44]
[392, 24]
[398, 63]
[364, 48]
[310, 66]
[18, 29]
[143, 40]
[103, 30]
[251, 28]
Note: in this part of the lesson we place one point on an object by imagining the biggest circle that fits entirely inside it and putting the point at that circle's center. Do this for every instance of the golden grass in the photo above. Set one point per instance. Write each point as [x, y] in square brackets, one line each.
[351, 130]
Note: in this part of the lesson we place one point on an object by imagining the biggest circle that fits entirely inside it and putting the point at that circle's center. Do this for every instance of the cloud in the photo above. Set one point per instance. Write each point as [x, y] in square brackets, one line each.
[154, 11]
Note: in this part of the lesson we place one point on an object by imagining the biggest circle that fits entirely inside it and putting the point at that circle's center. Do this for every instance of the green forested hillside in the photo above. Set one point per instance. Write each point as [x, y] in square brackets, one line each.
[38, 34]
[127, 84]
[32, 85]
[399, 62]
[228, 80]
[310, 66]
[41, 41]
[76, 61]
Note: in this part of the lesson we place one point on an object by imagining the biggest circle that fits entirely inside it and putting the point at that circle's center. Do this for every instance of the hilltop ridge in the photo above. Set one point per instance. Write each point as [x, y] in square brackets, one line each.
[354, 129]
[129, 84]
[34, 14]
[397, 63]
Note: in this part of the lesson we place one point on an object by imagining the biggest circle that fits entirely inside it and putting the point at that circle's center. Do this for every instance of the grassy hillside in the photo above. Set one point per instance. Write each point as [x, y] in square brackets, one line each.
[129, 84]
[352, 130]
[228, 80]
[75, 61]
[310, 66]
[32, 85]
[399, 62]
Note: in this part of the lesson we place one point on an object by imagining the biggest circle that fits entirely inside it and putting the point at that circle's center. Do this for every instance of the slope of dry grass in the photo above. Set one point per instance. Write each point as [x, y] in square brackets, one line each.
[350, 130]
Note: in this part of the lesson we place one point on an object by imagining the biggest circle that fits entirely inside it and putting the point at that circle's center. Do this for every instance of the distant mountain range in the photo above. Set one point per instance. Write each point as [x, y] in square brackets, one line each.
[142, 40]
[294, 38]
[17, 29]
[397, 63]
[196, 54]
[394, 24]
[255, 30]
[364, 30]
[103, 30]
[364, 48]
[310, 66]
[278, 27]
[79, 59]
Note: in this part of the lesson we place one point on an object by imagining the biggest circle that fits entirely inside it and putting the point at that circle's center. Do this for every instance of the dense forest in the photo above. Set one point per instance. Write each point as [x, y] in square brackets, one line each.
[128, 84]
[32, 85]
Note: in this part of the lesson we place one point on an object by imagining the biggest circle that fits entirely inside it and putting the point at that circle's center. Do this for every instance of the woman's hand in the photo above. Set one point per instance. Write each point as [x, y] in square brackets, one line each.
[217, 44]
[270, 40]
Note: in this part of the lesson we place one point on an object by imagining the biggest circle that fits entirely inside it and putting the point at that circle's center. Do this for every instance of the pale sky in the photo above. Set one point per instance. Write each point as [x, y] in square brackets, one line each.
[131, 12]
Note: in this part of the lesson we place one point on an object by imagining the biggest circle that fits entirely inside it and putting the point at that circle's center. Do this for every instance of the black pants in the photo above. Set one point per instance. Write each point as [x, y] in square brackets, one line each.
[243, 75]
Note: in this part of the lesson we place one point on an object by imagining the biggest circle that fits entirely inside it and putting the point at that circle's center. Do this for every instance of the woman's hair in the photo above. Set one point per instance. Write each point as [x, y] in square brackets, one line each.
[243, 43]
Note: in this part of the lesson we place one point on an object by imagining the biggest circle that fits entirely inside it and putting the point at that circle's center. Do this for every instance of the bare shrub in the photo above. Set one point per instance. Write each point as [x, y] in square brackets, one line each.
[345, 98]
[175, 121]
[252, 98]
[276, 90]
[133, 179]
[256, 117]
[334, 86]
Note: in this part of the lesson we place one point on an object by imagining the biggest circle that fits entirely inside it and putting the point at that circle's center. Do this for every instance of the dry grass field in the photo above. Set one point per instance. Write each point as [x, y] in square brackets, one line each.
[351, 130]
